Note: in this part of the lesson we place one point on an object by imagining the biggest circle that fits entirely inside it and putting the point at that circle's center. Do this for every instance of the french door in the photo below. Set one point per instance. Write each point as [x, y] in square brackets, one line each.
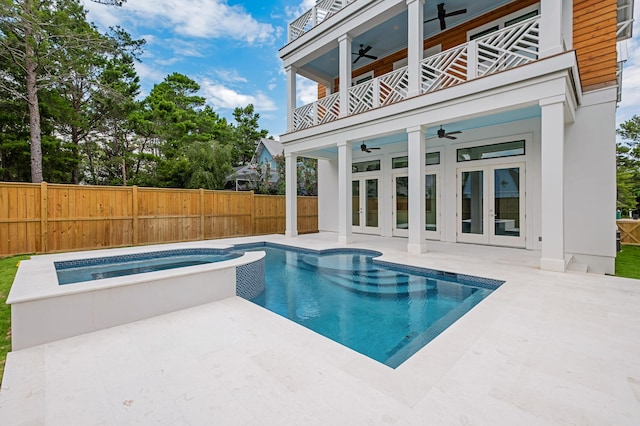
[491, 205]
[401, 205]
[365, 209]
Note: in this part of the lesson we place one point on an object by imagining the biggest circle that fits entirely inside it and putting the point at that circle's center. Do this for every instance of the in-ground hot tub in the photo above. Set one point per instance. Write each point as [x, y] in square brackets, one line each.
[43, 310]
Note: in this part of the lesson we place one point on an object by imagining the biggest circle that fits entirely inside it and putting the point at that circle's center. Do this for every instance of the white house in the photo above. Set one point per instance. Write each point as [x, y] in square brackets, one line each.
[485, 122]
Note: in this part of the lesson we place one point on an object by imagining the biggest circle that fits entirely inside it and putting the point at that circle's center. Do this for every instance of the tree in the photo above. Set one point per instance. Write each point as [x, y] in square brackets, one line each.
[628, 166]
[34, 36]
[246, 134]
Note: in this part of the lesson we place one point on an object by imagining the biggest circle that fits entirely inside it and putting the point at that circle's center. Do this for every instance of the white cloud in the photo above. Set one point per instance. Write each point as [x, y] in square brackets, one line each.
[295, 11]
[147, 73]
[220, 96]
[306, 90]
[194, 18]
[231, 76]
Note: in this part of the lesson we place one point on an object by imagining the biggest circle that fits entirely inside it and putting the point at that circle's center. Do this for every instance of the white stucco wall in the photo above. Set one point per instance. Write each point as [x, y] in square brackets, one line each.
[590, 182]
[327, 195]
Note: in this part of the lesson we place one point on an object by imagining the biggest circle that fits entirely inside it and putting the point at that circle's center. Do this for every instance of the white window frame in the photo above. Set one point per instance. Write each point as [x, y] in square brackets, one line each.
[430, 51]
[501, 21]
[361, 78]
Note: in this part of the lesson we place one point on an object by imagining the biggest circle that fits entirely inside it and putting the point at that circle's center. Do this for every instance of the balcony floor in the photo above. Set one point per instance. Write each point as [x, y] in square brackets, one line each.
[545, 348]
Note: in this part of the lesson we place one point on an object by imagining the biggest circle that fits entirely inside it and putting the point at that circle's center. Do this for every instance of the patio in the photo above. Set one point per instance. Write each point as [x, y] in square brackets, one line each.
[545, 348]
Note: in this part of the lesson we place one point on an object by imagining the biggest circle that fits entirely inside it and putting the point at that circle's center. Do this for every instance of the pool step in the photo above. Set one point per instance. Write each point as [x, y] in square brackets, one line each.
[415, 285]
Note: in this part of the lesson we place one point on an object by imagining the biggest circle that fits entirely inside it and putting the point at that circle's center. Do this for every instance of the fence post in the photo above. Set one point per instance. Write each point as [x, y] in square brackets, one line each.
[44, 218]
[202, 213]
[134, 212]
[472, 60]
[253, 212]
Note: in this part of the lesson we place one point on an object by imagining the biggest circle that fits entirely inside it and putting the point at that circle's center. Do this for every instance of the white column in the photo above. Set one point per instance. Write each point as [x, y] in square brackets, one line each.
[552, 184]
[551, 21]
[291, 194]
[416, 152]
[415, 44]
[345, 73]
[291, 95]
[344, 192]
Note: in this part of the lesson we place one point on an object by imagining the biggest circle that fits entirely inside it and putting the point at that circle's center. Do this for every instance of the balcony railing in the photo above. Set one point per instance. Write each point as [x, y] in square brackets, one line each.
[502, 50]
[321, 11]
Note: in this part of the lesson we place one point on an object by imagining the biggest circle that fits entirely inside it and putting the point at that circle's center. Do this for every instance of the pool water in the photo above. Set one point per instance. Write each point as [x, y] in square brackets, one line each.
[383, 311]
[117, 266]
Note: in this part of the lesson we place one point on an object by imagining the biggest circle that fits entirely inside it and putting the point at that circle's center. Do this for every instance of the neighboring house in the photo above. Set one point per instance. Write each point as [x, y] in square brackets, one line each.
[247, 177]
[469, 121]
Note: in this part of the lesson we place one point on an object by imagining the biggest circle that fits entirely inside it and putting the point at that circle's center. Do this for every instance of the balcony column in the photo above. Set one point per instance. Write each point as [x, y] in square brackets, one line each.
[344, 42]
[291, 194]
[551, 22]
[552, 184]
[416, 152]
[291, 95]
[345, 202]
[415, 45]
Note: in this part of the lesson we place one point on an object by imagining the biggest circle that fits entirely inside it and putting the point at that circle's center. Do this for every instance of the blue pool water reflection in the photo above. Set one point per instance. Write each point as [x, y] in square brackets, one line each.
[384, 311]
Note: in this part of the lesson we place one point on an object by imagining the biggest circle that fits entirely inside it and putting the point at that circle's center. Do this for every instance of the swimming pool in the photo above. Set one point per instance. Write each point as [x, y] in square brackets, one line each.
[75, 271]
[385, 311]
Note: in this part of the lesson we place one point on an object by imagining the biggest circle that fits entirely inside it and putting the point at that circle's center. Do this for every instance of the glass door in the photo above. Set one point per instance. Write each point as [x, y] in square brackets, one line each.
[365, 205]
[401, 205]
[491, 205]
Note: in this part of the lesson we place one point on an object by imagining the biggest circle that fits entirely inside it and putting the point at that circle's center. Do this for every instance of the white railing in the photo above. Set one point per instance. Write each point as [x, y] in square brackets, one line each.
[321, 11]
[508, 48]
[445, 69]
[321, 111]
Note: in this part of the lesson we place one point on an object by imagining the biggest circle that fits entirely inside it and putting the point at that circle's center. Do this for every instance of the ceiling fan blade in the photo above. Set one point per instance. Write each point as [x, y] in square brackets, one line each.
[370, 56]
[429, 20]
[357, 59]
[443, 24]
[450, 137]
[365, 50]
[375, 147]
[454, 133]
[457, 12]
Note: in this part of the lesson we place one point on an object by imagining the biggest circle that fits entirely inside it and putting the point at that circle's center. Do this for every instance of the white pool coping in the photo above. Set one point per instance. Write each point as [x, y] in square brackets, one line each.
[43, 311]
[544, 348]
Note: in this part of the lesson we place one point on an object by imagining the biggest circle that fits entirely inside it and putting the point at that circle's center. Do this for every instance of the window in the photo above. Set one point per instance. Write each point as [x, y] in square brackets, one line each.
[362, 78]
[365, 166]
[506, 149]
[505, 21]
[431, 159]
[433, 50]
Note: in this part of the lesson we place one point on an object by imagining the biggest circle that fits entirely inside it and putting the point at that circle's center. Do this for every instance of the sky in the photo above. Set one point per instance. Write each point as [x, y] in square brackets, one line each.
[230, 48]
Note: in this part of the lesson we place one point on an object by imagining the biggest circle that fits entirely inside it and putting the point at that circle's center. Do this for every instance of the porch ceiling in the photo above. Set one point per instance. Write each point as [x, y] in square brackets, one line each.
[391, 36]
[463, 125]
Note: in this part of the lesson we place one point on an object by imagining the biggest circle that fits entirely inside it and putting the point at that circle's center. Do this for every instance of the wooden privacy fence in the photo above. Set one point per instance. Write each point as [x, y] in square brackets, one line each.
[629, 231]
[44, 218]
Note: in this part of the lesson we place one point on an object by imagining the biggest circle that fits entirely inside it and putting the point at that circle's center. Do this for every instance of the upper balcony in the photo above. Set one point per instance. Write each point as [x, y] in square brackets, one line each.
[365, 55]
[321, 11]
[513, 46]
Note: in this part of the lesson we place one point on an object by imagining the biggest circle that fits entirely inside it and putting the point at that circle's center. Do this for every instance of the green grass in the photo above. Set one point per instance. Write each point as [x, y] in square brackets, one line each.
[628, 262]
[8, 268]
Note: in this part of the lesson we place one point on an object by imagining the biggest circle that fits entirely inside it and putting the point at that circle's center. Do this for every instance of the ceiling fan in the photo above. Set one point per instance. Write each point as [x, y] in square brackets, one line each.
[444, 134]
[364, 148]
[362, 53]
[442, 14]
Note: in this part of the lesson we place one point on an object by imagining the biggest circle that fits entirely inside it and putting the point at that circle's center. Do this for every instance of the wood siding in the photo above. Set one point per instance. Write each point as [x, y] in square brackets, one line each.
[42, 218]
[594, 39]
